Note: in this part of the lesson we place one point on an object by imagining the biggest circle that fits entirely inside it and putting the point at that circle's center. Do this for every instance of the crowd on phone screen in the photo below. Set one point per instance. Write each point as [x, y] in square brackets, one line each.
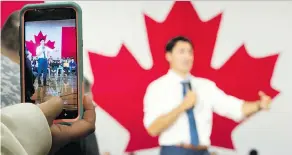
[56, 67]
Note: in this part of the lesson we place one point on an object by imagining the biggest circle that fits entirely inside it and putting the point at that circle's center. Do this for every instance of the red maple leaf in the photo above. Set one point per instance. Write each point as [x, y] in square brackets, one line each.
[31, 46]
[120, 83]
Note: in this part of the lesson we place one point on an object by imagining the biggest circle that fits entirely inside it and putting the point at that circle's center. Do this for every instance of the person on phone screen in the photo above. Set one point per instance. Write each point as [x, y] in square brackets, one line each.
[72, 66]
[29, 78]
[178, 106]
[43, 53]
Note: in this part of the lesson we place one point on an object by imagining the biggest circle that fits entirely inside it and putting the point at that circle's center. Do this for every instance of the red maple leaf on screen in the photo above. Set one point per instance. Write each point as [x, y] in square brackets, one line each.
[32, 45]
[120, 83]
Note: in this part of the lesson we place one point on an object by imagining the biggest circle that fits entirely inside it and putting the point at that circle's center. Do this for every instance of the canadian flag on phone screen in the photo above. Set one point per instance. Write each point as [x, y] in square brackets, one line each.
[68, 42]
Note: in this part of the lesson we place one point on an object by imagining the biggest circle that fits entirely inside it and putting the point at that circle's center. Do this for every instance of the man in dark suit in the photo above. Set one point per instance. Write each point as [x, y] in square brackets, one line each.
[29, 79]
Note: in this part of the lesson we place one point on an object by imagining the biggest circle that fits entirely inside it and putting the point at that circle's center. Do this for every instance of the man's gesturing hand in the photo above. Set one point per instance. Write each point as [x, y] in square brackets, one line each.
[189, 100]
[265, 101]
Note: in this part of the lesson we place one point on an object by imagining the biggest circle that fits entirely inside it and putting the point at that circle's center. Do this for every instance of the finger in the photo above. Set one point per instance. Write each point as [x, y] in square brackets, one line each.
[85, 126]
[52, 108]
[261, 94]
[81, 129]
[89, 114]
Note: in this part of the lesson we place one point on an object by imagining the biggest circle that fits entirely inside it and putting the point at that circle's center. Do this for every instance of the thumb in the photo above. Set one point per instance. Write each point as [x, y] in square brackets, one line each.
[52, 108]
[261, 93]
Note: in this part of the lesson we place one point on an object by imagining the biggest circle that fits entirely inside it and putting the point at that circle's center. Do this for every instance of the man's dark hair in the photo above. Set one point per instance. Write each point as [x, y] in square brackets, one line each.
[42, 39]
[10, 32]
[170, 45]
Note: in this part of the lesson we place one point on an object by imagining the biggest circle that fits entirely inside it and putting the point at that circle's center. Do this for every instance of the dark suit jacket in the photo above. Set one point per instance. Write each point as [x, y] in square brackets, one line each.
[29, 81]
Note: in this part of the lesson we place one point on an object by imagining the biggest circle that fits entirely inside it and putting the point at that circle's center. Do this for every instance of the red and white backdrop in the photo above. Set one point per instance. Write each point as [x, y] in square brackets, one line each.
[58, 35]
[242, 46]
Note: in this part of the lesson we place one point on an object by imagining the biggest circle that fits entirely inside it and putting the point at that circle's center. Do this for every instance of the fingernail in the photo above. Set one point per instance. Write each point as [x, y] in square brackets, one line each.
[89, 95]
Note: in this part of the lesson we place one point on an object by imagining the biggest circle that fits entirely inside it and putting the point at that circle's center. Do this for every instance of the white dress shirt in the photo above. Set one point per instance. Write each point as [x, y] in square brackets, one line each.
[39, 51]
[166, 93]
[29, 55]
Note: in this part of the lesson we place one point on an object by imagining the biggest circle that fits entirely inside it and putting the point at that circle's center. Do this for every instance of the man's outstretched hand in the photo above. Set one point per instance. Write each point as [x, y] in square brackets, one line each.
[63, 134]
[265, 101]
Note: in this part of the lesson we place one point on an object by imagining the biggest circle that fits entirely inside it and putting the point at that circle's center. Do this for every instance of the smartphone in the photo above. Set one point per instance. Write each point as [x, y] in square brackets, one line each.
[51, 56]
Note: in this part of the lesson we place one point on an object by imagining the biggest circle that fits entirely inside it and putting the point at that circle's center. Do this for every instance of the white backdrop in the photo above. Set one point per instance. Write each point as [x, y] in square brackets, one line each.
[53, 30]
[264, 27]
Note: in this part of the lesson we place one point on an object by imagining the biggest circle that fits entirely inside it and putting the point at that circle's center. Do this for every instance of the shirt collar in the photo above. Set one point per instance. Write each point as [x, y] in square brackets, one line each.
[176, 77]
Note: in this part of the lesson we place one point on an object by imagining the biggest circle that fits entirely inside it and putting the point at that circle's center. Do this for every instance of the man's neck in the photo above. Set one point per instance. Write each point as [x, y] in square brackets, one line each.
[12, 55]
[181, 74]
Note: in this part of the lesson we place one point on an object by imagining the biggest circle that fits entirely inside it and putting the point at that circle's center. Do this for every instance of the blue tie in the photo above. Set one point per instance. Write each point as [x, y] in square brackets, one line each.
[44, 52]
[191, 117]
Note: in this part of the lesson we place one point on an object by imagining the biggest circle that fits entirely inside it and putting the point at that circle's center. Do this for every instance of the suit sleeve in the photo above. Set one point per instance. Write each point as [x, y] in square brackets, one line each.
[24, 130]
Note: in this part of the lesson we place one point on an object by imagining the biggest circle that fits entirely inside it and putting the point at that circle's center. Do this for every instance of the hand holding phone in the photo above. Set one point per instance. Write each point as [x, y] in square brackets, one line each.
[63, 134]
[44, 30]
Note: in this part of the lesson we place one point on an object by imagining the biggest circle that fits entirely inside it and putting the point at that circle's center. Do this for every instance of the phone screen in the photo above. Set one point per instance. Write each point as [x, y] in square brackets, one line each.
[51, 58]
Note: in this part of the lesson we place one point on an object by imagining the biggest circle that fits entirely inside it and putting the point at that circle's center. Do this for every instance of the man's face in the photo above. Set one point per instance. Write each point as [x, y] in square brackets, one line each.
[42, 43]
[182, 57]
